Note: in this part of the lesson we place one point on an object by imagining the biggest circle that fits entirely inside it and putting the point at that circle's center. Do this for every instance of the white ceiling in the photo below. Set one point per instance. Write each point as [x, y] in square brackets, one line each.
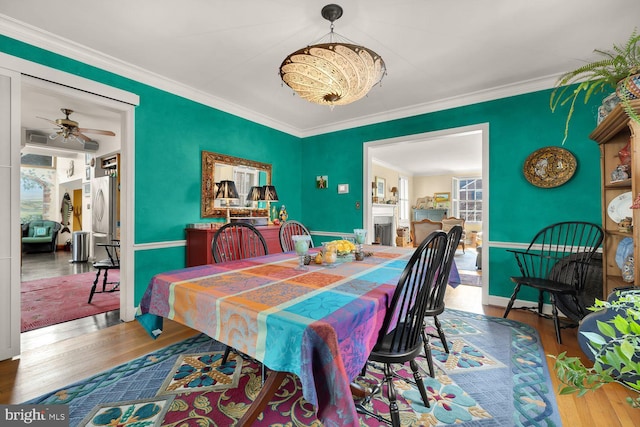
[226, 54]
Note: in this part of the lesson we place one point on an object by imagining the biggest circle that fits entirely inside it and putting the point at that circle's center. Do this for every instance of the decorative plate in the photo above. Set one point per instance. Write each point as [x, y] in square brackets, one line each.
[549, 167]
[620, 207]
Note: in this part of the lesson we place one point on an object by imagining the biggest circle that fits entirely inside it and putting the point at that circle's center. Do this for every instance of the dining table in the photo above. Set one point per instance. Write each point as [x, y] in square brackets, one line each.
[319, 323]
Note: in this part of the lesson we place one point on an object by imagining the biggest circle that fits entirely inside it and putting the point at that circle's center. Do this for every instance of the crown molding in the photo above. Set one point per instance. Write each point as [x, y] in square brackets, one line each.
[485, 95]
[43, 39]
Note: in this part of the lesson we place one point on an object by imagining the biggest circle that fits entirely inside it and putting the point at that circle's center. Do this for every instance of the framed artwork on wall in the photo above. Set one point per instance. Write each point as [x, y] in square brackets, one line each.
[322, 181]
[86, 189]
[380, 188]
[442, 197]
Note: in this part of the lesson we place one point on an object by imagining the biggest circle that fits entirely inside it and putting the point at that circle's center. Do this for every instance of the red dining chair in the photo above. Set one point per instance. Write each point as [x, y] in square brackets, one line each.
[401, 337]
[235, 241]
[287, 230]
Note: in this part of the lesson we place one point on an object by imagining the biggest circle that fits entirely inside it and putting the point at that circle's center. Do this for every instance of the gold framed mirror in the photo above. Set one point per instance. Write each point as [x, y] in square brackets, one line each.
[246, 173]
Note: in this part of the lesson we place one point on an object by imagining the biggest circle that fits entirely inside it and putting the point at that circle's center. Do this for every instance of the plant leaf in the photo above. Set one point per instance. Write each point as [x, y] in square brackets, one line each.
[606, 329]
[627, 349]
[594, 337]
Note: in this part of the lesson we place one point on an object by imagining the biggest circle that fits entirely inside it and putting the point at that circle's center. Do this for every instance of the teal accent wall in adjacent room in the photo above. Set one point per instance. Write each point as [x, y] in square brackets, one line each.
[518, 126]
[170, 133]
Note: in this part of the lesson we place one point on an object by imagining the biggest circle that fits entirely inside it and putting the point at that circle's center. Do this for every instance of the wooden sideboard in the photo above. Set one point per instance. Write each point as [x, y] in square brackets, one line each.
[199, 243]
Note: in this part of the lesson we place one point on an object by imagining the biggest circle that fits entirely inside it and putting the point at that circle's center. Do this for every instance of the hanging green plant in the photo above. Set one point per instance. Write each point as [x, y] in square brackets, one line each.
[618, 71]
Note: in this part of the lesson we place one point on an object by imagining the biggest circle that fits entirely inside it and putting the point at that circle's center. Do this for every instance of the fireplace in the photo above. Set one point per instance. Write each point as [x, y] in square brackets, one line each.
[383, 233]
[384, 224]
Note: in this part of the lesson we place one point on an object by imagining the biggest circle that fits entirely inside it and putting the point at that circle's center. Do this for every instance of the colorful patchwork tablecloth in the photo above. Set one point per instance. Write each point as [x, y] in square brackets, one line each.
[319, 324]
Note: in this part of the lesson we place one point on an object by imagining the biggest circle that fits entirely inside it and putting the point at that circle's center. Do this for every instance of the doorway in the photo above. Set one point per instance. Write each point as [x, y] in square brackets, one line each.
[440, 153]
[75, 164]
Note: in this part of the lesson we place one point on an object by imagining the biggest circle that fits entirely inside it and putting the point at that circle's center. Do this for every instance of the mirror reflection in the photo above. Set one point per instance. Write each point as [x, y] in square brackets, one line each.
[244, 173]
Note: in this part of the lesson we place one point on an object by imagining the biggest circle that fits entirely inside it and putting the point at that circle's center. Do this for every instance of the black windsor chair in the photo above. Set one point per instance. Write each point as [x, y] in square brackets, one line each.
[403, 341]
[557, 263]
[435, 306]
[103, 266]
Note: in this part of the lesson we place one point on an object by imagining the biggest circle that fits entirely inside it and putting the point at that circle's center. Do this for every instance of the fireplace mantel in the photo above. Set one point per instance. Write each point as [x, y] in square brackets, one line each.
[383, 209]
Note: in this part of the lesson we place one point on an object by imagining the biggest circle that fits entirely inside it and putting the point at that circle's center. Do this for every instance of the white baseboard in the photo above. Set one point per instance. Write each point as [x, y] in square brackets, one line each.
[503, 301]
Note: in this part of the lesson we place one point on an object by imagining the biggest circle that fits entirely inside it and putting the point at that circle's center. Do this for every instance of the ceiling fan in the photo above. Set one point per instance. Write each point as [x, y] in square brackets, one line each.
[70, 131]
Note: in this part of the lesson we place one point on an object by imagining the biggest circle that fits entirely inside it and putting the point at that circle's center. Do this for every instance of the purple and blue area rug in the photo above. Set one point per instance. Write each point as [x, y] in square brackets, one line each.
[495, 375]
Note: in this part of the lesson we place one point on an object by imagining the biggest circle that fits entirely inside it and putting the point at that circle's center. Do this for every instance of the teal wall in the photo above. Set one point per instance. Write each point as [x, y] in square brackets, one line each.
[518, 126]
[172, 131]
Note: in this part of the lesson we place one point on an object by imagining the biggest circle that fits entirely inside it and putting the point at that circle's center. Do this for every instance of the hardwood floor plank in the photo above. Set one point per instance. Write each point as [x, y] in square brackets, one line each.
[58, 364]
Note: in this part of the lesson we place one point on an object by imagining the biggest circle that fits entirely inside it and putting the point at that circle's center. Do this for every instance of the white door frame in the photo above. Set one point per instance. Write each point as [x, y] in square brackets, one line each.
[10, 237]
[108, 97]
[367, 219]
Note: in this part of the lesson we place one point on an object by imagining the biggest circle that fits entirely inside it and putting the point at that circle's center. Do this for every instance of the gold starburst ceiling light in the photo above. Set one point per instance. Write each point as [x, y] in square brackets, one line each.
[332, 72]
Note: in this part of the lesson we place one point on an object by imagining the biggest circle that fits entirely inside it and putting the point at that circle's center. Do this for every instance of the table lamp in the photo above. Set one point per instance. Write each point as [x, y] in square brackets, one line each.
[394, 191]
[254, 195]
[227, 191]
[269, 195]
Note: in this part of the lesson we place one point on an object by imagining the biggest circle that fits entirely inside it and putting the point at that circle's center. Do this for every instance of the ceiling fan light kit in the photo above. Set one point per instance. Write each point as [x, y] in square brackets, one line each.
[333, 72]
[69, 131]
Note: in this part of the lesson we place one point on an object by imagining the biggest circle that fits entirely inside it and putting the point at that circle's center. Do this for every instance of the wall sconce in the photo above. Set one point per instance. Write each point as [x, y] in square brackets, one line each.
[227, 191]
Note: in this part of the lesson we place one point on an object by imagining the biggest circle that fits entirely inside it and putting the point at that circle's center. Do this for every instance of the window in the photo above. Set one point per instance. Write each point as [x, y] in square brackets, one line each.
[403, 198]
[38, 160]
[468, 205]
[32, 205]
[245, 178]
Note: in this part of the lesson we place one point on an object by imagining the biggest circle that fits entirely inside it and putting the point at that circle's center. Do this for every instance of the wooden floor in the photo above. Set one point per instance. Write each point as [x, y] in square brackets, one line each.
[85, 347]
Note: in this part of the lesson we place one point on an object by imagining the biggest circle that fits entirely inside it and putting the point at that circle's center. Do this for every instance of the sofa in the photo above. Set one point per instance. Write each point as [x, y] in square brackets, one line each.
[40, 236]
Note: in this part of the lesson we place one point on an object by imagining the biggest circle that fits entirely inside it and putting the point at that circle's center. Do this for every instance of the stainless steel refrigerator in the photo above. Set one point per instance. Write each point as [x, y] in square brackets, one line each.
[103, 206]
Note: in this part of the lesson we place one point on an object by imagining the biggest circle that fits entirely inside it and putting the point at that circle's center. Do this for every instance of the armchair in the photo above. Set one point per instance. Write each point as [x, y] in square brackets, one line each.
[40, 236]
[421, 229]
[449, 223]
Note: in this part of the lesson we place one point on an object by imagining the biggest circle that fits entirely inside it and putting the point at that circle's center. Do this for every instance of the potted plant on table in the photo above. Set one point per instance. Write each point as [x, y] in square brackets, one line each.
[618, 70]
[611, 339]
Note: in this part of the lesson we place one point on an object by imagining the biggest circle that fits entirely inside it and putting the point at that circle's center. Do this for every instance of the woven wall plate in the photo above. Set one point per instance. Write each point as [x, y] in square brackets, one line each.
[549, 167]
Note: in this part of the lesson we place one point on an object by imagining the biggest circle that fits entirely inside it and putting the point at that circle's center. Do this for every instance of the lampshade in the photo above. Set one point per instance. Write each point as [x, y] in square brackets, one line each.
[255, 194]
[394, 190]
[227, 190]
[270, 194]
[332, 72]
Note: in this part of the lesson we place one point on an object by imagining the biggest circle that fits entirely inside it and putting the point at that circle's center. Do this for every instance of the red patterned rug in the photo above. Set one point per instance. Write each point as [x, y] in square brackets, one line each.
[494, 375]
[55, 300]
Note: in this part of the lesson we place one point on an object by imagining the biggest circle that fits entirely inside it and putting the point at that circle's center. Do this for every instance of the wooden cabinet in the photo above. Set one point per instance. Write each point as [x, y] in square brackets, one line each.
[430, 214]
[613, 134]
[199, 243]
